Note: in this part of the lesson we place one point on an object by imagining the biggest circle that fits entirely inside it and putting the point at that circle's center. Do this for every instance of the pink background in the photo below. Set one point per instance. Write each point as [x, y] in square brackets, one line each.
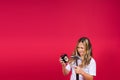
[33, 34]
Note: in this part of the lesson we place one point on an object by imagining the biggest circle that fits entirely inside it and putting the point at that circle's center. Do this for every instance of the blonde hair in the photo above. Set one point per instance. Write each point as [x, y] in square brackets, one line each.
[88, 51]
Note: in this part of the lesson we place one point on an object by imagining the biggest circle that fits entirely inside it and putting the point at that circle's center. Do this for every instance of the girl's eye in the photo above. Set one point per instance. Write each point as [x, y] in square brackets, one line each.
[78, 47]
[81, 47]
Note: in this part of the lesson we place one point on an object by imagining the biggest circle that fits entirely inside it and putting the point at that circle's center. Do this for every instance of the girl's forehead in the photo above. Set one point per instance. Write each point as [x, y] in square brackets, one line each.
[80, 44]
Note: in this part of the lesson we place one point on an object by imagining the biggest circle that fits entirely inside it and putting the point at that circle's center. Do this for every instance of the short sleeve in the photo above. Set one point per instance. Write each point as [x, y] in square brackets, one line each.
[92, 67]
[68, 67]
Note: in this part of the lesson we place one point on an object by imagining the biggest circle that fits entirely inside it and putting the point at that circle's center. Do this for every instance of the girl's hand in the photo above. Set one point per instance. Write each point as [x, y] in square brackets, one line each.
[62, 62]
[79, 70]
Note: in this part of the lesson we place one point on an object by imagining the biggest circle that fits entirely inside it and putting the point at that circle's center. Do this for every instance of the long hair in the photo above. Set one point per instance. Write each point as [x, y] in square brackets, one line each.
[88, 51]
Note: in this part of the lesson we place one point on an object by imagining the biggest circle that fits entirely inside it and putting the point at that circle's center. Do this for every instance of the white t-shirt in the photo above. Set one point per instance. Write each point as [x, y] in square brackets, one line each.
[90, 69]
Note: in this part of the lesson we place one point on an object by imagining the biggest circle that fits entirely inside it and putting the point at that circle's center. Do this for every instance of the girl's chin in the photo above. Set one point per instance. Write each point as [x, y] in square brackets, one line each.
[81, 54]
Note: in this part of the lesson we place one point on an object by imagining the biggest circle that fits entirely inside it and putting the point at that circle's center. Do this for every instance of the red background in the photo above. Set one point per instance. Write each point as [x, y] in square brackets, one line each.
[33, 34]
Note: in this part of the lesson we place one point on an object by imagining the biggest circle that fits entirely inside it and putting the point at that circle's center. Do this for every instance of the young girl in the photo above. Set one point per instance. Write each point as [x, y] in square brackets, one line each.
[86, 68]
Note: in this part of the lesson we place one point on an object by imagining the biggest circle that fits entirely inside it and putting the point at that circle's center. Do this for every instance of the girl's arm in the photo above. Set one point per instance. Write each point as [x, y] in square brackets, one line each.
[64, 70]
[86, 76]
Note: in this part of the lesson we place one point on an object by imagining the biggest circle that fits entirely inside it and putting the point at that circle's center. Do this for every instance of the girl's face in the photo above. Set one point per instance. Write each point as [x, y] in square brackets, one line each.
[81, 49]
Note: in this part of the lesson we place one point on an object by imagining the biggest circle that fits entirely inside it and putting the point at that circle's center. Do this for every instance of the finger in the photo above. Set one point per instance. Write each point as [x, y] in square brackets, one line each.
[75, 70]
[60, 59]
[76, 67]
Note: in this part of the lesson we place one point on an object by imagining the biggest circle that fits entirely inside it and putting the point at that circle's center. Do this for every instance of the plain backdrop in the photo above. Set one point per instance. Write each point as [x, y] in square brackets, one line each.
[34, 33]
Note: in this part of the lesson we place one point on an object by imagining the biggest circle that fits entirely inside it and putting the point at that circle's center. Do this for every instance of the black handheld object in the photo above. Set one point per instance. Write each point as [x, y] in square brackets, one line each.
[64, 58]
[75, 57]
[76, 60]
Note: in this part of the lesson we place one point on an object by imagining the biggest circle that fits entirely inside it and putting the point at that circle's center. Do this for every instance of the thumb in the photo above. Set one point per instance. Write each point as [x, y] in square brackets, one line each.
[75, 67]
